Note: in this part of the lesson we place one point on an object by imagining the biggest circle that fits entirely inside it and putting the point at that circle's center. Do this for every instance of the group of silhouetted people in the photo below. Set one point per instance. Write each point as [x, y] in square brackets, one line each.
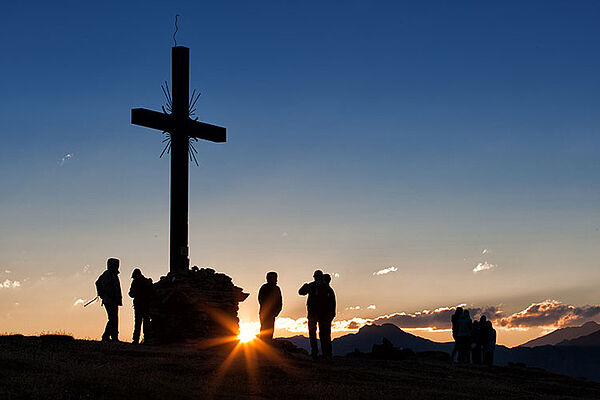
[108, 288]
[474, 341]
[320, 305]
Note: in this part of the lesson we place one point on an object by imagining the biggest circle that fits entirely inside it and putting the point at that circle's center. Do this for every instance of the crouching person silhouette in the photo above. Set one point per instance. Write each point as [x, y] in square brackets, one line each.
[270, 300]
[108, 288]
[141, 293]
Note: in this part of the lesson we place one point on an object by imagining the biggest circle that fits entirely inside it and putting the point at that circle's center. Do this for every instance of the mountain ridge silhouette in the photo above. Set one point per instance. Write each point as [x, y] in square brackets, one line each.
[573, 360]
[562, 334]
[591, 340]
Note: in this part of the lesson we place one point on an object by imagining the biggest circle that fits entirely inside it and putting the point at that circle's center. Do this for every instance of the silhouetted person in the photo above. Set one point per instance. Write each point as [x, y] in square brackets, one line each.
[490, 344]
[482, 337]
[141, 293]
[326, 311]
[108, 288]
[454, 320]
[475, 343]
[271, 302]
[463, 333]
[314, 311]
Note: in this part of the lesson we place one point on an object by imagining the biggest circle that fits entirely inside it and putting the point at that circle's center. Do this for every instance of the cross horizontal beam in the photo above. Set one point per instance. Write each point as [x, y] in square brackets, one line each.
[167, 122]
[152, 119]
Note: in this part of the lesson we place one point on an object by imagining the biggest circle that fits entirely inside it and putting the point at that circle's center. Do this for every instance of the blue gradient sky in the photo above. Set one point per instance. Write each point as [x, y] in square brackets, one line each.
[361, 135]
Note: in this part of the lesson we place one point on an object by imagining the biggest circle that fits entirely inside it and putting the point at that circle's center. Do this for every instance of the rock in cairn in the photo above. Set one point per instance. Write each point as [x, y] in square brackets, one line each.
[193, 305]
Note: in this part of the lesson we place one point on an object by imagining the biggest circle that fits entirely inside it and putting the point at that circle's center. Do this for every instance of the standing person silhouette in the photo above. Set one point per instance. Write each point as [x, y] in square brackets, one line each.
[464, 333]
[326, 297]
[271, 302]
[108, 288]
[141, 293]
[479, 339]
[476, 331]
[310, 289]
[490, 344]
[318, 307]
[454, 320]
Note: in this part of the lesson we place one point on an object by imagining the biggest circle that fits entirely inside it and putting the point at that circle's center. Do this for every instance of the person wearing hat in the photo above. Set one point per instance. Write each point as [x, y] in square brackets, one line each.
[141, 293]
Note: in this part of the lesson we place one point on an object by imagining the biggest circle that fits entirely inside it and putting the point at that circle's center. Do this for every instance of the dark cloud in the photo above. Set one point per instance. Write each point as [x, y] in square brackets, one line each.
[354, 325]
[549, 313]
[543, 314]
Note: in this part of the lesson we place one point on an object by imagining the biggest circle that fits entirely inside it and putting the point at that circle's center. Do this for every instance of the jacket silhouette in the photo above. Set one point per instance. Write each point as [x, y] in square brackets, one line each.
[313, 303]
[108, 288]
[141, 291]
[271, 302]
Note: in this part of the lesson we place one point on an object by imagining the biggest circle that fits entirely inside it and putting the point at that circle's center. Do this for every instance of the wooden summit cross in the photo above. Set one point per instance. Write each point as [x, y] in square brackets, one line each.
[181, 128]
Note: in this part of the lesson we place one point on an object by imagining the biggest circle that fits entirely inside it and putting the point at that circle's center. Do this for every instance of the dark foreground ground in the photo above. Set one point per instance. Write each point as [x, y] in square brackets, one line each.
[59, 368]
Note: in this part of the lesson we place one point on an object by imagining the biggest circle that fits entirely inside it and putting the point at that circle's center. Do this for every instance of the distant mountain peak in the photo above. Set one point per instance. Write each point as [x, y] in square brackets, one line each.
[383, 327]
[562, 334]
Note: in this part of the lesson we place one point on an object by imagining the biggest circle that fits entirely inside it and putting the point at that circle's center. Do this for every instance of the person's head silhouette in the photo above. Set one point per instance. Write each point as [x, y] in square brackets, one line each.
[272, 277]
[327, 278]
[318, 275]
[136, 273]
[112, 264]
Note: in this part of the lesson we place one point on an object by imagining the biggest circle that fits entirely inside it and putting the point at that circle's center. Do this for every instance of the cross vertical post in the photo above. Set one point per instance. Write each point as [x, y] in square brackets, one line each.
[181, 128]
[179, 253]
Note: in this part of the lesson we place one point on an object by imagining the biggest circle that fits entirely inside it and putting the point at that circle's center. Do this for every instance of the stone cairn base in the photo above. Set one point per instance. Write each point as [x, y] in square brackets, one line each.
[193, 305]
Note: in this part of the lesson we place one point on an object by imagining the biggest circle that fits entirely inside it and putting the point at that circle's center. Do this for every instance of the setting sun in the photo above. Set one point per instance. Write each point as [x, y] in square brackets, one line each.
[248, 332]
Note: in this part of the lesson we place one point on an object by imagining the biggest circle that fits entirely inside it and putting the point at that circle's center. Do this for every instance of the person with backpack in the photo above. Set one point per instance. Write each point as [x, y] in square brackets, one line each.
[141, 293]
[327, 307]
[313, 311]
[108, 288]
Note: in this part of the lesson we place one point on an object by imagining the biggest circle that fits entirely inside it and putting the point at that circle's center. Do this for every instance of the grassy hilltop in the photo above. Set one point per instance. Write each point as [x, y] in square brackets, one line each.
[63, 368]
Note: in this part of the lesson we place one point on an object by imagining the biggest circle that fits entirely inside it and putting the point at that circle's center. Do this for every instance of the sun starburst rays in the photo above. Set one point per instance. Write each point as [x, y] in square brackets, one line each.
[168, 109]
[244, 349]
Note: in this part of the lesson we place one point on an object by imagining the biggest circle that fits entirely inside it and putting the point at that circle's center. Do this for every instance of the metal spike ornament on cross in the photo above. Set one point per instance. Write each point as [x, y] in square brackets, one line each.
[181, 129]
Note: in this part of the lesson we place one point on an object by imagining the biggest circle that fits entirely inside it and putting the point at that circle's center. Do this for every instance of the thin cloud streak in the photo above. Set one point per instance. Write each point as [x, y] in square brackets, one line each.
[385, 271]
